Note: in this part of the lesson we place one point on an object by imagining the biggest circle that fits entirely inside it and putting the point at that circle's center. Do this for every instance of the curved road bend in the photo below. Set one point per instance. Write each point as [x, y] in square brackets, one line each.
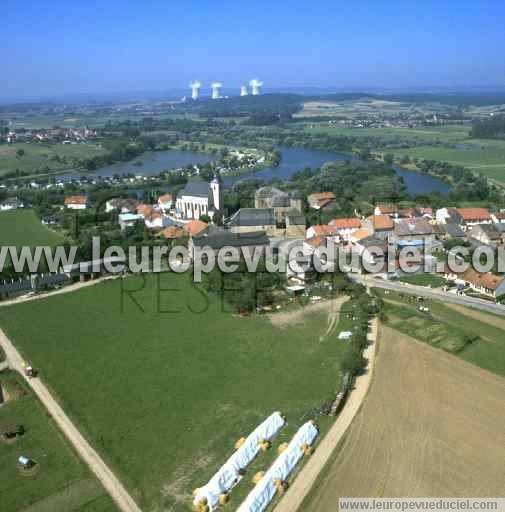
[111, 483]
[307, 477]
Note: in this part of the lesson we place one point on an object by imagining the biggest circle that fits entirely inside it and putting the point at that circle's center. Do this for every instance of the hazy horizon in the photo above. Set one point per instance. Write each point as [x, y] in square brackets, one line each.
[94, 48]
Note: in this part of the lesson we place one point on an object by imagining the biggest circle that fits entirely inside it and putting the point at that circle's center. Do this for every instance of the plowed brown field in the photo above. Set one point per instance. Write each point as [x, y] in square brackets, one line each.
[431, 425]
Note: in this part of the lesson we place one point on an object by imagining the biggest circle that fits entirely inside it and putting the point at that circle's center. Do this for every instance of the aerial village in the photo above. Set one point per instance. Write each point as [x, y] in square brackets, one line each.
[195, 217]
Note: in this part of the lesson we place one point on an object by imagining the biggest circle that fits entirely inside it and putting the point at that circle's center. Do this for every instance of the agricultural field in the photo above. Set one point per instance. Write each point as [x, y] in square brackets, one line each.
[431, 280]
[447, 143]
[44, 157]
[357, 108]
[61, 481]
[428, 427]
[445, 133]
[22, 227]
[163, 378]
[484, 156]
[474, 336]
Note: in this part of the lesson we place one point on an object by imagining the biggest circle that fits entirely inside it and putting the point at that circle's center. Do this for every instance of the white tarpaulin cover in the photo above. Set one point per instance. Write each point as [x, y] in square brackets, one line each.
[229, 474]
[259, 498]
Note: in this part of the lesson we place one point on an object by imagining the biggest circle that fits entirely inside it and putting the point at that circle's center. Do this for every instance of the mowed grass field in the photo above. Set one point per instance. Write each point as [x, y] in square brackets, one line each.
[38, 156]
[22, 227]
[474, 336]
[164, 381]
[61, 482]
[431, 425]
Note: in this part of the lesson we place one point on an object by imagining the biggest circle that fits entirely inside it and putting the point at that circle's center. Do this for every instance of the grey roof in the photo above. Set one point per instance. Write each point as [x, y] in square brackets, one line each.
[296, 220]
[490, 229]
[253, 217]
[218, 238]
[197, 188]
[454, 230]
[373, 241]
[269, 192]
[415, 226]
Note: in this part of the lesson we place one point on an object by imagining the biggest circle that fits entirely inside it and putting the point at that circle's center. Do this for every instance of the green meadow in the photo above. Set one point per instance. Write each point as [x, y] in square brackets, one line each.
[39, 157]
[22, 227]
[60, 481]
[478, 341]
[163, 378]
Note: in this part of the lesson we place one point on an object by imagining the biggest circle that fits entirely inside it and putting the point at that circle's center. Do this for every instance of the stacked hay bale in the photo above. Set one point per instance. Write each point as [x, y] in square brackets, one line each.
[239, 443]
[202, 505]
[257, 477]
[282, 447]
[223, 499]
[281, 486]
[307, 449]
[264, 445]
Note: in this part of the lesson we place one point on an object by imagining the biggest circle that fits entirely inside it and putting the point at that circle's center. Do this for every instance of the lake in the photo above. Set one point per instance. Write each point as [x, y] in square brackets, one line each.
[153, 162]
[293, 160]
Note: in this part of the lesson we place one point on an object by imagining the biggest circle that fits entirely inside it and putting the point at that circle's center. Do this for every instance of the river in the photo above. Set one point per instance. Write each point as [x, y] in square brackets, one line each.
[293, 160]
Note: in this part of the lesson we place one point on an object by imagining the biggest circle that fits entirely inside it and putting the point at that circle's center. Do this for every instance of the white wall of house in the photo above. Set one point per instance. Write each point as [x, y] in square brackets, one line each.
[190, 207]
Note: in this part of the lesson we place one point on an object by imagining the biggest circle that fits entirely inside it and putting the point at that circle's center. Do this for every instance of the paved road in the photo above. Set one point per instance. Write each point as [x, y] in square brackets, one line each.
[292, 500]
[463, 300]
[111, 483]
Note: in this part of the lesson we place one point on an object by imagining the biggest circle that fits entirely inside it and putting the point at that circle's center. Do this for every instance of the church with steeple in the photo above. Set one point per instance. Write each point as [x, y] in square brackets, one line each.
[199, 198]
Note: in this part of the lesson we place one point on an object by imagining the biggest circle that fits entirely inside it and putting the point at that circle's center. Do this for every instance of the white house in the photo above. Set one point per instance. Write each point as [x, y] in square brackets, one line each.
[127, 220]
[199, 198]
[10, 204]
[76, 202]
[165, 202]
[156, 220]
[345, 227]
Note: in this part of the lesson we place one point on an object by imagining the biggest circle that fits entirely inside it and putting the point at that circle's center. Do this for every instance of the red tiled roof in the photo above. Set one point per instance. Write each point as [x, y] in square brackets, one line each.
[470, 275]
[387, 209]
[359, 234]
[381, 222]
[469, 214]
[346, 223]
[194, 227]
[322, 230]
[172, 232]
[315, 241]
[76, 200]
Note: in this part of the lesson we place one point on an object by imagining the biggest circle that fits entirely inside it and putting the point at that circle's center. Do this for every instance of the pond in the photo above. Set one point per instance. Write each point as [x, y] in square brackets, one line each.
[293, 160]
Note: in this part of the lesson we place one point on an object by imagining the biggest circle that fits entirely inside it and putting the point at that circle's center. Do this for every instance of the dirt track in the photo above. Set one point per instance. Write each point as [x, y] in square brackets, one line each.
[431, 425]
[111, 483]
[308, 476]
[301, 313]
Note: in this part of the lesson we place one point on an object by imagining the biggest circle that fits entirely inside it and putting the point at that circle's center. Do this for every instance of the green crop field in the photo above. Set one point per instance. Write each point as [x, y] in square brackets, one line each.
[484, 156]
[424, 280]
[37, 157]
[447, 143]
[164, 381]
[445, 133]
[478, 340]
[61, 481]
[22, 227]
